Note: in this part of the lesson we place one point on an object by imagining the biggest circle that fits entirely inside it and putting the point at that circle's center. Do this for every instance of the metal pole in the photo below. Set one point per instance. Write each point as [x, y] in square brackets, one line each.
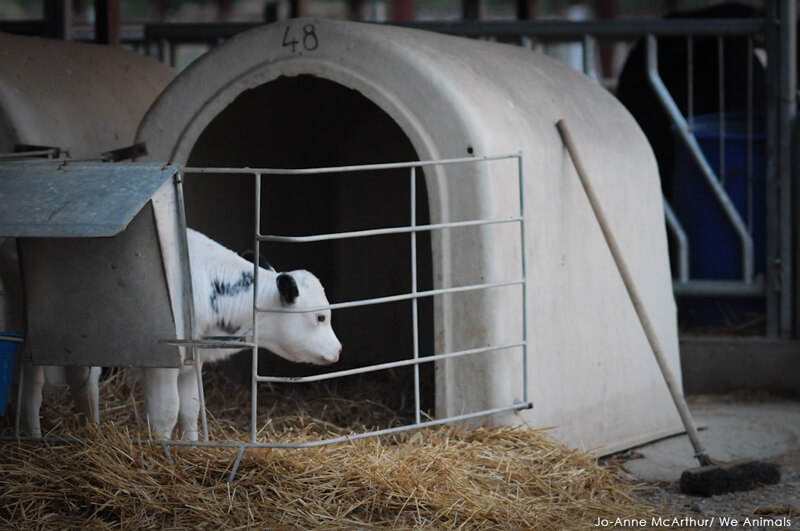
[188, 300]
[683, 242]
[690, 79]
[721, 87]
[351, 168]
[772, 196]
[781, 112]
[749, 168]
[236, 463]
[414, 301]
[589, 44]
[524, 266]
[788, 111]
[382, 232]
[323, 442]
[254, 358]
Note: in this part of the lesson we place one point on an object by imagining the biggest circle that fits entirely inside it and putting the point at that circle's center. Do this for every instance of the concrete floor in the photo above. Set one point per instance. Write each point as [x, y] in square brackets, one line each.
[731, 428]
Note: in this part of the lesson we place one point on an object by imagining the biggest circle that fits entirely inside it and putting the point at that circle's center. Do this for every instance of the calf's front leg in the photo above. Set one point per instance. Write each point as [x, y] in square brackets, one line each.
[161, 400]
[190, 402]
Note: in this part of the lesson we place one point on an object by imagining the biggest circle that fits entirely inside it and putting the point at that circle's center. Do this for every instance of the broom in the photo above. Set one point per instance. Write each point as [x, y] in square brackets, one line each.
[712, 476]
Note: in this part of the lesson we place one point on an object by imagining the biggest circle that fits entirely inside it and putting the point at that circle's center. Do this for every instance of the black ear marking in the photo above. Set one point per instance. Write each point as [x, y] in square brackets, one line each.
[262, 262]
[287, 287]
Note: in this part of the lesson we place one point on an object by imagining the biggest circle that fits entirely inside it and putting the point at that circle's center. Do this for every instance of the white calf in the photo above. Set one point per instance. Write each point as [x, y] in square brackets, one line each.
[82, 380]
[222, 283]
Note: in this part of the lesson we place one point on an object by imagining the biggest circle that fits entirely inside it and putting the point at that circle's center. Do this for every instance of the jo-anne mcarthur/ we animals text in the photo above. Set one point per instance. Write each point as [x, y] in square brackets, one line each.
[691, 521]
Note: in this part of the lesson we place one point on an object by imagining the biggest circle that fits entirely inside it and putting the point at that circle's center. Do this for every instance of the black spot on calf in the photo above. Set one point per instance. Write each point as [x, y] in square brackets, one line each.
[287, 287]
[227, 289]
[227, 327]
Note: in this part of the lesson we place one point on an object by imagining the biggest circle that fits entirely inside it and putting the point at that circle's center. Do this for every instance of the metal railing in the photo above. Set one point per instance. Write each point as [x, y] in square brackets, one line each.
[415, 359]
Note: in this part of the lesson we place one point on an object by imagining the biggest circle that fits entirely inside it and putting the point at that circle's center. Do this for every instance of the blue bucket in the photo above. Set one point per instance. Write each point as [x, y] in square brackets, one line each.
[8, 355]
[714, 249]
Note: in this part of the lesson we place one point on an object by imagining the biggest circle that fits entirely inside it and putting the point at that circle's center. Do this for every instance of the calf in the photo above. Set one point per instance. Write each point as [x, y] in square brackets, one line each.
[223, 299]
[222, 283]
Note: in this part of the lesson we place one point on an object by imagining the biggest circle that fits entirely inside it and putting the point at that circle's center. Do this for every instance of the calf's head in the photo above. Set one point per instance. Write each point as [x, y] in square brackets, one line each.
[302, 337]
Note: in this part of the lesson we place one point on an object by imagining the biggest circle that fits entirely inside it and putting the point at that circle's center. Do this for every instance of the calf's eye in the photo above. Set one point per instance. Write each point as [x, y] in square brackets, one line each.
[321, 318]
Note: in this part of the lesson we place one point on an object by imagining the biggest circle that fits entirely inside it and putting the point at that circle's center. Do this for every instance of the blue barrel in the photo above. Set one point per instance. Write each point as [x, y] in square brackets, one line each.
[8, 355]
[714, 249]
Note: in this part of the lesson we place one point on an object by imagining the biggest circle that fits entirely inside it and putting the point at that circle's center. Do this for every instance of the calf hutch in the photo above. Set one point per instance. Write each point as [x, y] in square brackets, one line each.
[329, 94]
[83, 99]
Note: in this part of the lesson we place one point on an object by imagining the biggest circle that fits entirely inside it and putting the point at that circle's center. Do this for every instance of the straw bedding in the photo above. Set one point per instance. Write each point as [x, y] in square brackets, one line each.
[443, 478]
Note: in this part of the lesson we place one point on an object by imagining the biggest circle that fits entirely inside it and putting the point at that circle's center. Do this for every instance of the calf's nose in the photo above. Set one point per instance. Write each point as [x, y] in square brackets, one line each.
[335, 358]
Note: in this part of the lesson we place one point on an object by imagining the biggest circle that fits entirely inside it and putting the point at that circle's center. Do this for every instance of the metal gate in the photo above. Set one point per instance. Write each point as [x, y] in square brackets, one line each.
[414, 359]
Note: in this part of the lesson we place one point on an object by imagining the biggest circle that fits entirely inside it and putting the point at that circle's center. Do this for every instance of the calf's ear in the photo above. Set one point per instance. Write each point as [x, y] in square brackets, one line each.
[249, 255]
[287, 287]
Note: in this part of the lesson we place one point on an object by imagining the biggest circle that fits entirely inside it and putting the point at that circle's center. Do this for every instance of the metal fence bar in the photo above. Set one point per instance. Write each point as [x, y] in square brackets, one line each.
[719, 288]
[335, 440]
[395, 298]
[781, 114]
[749, 148]
[236, 463]
[188, 301]
[772, 178]
[721, 98]
[683, 242]
[788, 184]
[543, 30]
[610, 29]
[353, 168]
[25, 155]
[690, 79]
[254, 353]
[388, 365]
[414, 302]
[588, 45]
[286, 446]
[383, 231]
[524, 266]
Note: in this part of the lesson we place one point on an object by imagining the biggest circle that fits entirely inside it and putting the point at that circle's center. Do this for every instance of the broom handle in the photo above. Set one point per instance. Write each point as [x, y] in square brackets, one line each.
[627, 279]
